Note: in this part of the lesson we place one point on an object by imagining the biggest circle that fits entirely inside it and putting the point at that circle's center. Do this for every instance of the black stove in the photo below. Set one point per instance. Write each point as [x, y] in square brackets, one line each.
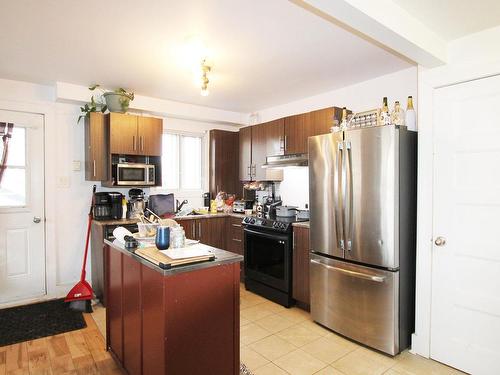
[269, 257]
[278, 223]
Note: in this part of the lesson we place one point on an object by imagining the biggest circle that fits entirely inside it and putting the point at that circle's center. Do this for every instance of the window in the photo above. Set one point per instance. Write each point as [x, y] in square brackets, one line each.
[13, 186]
[182, 161]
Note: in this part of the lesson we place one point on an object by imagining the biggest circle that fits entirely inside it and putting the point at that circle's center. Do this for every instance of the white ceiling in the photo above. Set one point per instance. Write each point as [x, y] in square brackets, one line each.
[452, 19]
[265, 52]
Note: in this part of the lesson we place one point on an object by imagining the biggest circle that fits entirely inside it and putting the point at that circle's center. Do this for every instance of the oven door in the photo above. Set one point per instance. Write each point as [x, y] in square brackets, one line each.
[268, 258]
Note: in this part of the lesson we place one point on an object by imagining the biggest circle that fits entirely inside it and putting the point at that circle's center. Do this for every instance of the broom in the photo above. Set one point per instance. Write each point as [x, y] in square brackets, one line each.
[80, 296]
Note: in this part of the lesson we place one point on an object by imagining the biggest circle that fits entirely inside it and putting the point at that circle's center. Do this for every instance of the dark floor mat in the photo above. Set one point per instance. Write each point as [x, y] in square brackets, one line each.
[23, 323]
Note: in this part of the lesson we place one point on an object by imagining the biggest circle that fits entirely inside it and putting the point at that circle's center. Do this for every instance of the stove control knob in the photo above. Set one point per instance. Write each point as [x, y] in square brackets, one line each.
[252, 221]
[275, 225]
[246, 220]
[283, 226]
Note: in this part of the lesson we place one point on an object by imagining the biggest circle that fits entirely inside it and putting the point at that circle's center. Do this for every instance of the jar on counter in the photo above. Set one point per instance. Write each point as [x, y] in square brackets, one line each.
[177, 237]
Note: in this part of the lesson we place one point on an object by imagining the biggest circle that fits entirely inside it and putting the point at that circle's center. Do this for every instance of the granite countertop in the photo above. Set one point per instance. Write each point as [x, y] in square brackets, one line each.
[302, 224]
[115, 222]
[208, 216]
[221, 257]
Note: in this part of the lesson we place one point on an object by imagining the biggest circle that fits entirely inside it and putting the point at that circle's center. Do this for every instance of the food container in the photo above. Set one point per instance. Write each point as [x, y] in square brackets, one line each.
[147, 229]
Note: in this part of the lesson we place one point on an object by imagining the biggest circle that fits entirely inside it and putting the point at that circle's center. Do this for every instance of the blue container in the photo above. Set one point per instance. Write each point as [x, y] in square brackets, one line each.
[162, 238]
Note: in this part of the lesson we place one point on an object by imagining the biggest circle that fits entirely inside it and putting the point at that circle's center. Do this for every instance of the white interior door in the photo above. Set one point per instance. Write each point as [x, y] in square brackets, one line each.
[465, 316]
[22, 233]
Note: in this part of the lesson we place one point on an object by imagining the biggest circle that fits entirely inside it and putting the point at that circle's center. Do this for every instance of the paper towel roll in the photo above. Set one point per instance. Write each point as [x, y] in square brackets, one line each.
[120, 233]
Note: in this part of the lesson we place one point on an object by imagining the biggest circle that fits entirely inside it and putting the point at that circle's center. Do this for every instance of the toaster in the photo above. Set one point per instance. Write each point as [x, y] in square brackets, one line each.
[241, 205]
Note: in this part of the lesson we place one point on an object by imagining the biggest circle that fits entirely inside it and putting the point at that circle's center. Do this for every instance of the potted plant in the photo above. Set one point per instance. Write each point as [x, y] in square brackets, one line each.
[112, 101]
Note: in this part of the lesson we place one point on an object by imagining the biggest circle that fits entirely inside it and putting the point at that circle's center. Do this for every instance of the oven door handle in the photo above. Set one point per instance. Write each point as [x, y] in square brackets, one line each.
[276, 236]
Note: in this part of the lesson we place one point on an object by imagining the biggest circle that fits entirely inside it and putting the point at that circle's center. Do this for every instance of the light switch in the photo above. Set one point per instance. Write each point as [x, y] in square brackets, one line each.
[77, 165]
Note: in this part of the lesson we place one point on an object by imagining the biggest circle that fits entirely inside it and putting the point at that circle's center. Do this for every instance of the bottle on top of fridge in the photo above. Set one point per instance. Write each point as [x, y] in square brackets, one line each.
[398, 114]
[385, 117]
[343, 122]
[411, 116]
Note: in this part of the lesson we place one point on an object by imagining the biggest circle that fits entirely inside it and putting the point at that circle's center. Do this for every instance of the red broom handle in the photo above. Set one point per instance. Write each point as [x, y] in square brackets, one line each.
[89, 224]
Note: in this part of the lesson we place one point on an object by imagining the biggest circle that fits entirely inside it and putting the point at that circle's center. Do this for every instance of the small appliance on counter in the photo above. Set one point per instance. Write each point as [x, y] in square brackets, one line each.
[116, 205]
[162, 205]
[206, 200]
[102, 206]
[240, 206]
[136, 203]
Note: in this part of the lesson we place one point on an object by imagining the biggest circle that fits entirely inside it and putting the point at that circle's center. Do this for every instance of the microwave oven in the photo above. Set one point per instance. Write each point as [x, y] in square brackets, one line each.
[133, 174]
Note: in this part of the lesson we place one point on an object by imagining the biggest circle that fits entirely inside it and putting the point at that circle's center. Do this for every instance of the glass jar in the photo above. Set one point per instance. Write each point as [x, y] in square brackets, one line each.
[177, 237]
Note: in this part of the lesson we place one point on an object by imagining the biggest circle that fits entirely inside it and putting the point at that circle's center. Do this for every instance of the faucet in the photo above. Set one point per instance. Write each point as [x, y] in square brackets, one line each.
[178, 206]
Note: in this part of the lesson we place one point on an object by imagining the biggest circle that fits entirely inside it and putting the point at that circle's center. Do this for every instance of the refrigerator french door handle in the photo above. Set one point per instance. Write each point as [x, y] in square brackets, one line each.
[348, 208]
[378, 279]
[339, 211]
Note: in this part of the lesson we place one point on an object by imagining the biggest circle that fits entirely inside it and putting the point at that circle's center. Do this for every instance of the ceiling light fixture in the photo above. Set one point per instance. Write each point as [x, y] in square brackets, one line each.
[205, 69]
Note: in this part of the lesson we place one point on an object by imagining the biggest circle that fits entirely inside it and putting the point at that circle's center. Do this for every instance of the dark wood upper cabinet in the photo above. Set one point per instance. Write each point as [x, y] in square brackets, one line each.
[123, 134]
[96, 148]
[296, 133]
[245, 150]
[149, 133]
[224, 162]
[275, 137]
[259, 139]
[300, 127]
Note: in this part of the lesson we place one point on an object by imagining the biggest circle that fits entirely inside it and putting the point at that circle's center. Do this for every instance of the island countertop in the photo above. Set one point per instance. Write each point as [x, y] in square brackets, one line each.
[221, 257]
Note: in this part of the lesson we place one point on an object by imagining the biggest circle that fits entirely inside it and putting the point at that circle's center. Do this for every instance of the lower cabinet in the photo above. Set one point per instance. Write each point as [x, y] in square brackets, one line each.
[209, 231]
[301, 266]
[234, 239]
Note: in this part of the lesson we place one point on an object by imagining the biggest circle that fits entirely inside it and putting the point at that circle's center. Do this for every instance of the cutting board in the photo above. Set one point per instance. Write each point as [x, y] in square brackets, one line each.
[153, 255]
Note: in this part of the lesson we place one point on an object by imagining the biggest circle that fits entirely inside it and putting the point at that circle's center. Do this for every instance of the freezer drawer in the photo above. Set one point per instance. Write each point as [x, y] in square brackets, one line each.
[356, 301]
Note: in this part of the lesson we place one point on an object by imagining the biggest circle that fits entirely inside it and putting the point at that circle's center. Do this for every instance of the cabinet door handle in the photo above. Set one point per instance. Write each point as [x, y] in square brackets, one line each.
[94, 168]
[285, 143]
[199, 229]
[142, 143]
[236, 225]
[133, 142]
[193, 232]
[237, 240]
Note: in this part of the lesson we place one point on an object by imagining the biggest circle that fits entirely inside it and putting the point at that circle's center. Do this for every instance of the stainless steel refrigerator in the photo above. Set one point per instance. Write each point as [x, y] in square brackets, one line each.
[362, 196]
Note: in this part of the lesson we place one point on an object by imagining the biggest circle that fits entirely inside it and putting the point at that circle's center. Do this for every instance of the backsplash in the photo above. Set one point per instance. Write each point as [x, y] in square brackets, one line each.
[294, 188]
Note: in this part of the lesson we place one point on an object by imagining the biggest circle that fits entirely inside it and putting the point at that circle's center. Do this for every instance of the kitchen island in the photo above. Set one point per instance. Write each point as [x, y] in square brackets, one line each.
[184, 320]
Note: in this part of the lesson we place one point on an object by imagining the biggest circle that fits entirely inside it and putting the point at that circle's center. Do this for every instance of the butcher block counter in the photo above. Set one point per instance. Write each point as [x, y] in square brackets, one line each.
[183, 320]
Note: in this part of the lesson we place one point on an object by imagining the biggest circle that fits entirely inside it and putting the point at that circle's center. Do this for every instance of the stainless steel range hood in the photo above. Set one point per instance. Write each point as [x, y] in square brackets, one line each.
[282, 161]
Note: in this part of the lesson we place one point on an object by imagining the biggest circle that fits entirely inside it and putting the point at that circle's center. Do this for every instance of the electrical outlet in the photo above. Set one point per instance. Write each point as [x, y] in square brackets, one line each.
[63, 182]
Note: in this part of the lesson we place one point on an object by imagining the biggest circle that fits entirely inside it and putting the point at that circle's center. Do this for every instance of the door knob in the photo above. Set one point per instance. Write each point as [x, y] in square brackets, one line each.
[440, 241]
[36, 219]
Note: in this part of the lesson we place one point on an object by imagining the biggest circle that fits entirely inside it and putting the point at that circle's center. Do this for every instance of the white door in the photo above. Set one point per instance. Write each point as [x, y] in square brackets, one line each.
[465, 316]
[22, 234]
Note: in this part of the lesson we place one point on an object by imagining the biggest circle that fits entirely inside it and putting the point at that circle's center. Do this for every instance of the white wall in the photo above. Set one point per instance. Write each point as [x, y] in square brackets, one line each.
[359, 97]
[472, 57]
[67, 193]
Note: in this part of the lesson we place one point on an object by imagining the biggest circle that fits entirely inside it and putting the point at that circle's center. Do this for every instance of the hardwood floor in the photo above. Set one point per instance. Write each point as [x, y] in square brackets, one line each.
[77, 352]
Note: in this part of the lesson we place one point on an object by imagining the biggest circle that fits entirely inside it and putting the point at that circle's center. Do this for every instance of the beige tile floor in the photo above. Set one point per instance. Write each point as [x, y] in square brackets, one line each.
[275, 340]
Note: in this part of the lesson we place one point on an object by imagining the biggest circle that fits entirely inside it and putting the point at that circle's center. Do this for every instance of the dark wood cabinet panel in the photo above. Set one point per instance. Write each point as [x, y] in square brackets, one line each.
[149, 133]
[301, 266]
[299, 128]
[245, 153]
[224, 162]
[96, 148]
[259, 145]
[275, 134]
[211, 232]
[123, 134]
[296, 133]
[131, 315]
[114, 317]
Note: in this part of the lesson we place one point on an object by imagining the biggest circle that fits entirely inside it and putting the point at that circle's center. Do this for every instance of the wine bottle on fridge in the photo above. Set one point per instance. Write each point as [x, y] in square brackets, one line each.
[398, 115]
[411, 116]
[385, 118]
[343, 122]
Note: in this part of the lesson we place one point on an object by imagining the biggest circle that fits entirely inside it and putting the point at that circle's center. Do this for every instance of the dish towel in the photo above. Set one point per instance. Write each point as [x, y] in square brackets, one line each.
[6, 134]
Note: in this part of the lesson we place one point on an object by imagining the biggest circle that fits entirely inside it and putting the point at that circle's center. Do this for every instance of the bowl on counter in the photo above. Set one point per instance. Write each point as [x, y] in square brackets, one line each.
[147, 229]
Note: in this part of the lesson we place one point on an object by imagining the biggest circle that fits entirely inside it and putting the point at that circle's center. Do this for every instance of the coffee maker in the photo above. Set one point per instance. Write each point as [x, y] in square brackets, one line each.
[116, 205]
[102, 206]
